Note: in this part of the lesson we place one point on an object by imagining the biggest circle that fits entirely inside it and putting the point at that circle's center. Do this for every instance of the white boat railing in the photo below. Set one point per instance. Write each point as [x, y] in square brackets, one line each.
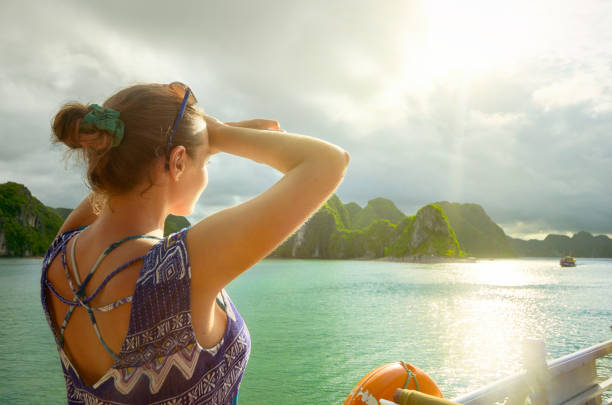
[568, 380]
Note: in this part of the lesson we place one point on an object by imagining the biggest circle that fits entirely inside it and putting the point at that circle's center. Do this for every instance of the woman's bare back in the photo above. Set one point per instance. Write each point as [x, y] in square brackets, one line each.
[82, 345]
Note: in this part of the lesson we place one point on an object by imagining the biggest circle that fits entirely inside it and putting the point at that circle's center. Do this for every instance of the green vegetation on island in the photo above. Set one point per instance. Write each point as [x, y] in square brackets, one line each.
[27, 226]
[64, 212]
[174, 224]
[444, 229]
[378, 230]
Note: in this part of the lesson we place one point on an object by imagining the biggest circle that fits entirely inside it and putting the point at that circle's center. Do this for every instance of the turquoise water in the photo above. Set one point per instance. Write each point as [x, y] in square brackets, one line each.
[319, 326]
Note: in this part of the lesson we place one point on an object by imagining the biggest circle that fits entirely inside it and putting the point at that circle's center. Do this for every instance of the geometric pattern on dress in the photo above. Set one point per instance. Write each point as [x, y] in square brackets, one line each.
[185, 360]
[160, 340]
[167, 263]
[217, 385]
[160, 323]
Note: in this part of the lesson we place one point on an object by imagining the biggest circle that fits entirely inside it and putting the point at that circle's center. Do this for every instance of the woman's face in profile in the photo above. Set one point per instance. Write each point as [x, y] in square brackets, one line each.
[196, 174]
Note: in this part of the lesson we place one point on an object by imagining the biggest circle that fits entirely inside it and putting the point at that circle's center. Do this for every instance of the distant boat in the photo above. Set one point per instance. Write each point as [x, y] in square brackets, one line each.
[568, 261]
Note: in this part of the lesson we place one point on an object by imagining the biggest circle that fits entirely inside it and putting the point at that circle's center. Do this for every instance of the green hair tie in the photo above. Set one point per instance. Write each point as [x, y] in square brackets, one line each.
[103, 119]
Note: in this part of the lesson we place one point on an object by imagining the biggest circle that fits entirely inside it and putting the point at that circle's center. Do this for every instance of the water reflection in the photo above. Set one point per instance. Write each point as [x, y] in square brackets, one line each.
[504, 273]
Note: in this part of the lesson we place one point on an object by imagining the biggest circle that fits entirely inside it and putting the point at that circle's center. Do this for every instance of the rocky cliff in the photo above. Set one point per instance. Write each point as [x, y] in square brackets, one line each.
[376, 209]
[478, 235]
[428, 233]
[339, 231]
[27, 226]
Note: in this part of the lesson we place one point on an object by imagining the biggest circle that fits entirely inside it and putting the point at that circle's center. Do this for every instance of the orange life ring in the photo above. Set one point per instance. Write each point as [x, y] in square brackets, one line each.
[382, 382]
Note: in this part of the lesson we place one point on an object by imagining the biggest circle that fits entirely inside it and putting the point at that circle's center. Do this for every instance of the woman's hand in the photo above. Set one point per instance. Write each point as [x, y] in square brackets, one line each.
[258, 123]
[214, 126]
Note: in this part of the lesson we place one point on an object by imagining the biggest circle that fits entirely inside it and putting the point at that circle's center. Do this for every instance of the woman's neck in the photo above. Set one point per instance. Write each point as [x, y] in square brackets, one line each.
[134, 214]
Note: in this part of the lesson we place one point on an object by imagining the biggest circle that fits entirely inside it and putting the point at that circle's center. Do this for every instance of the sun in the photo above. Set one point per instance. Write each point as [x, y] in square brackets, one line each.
[471, 38]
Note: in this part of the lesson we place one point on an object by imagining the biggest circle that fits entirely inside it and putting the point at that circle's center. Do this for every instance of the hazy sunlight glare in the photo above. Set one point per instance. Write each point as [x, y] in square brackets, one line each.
[471, 38]
[501, 273]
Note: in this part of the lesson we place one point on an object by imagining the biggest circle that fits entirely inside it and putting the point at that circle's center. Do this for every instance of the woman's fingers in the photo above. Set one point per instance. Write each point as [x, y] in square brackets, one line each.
[274, 124]
[258, 123]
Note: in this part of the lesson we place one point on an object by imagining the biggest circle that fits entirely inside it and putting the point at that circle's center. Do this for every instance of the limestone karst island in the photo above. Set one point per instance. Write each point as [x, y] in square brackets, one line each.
[378, 231]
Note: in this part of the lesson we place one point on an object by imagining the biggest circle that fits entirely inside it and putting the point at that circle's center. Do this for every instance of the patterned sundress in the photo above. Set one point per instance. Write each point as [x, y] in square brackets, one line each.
[160, 361]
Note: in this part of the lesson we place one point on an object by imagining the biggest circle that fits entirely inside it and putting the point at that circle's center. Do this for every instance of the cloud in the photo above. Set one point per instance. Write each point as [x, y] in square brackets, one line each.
[530, 142]
[496, 121]
[581, 88]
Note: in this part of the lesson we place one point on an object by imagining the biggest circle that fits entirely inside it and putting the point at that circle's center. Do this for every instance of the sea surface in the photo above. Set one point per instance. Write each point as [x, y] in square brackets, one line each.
[318, 326]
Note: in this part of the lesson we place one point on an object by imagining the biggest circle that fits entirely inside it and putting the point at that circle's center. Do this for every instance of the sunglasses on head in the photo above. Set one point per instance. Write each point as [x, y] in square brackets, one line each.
[181, 90]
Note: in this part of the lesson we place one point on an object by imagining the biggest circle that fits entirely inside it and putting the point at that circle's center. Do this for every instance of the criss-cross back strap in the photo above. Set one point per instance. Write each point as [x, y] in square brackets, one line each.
[80, 299]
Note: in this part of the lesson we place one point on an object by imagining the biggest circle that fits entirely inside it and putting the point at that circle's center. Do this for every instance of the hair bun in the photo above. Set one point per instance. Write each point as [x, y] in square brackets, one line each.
[66, 129]
[65, 124]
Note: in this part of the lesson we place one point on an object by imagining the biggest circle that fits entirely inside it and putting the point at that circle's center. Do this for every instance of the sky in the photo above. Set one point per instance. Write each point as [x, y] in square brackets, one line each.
[503, 104]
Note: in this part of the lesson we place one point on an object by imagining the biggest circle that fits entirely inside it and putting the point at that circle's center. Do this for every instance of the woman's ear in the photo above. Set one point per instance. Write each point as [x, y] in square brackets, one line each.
[178, 162]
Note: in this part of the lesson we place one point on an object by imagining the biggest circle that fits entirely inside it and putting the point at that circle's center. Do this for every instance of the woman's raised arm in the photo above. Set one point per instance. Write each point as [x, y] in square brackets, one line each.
[228, 242]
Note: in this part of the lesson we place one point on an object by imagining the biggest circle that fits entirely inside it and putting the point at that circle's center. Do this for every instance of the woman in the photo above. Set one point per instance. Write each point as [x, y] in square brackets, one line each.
[139, 318]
